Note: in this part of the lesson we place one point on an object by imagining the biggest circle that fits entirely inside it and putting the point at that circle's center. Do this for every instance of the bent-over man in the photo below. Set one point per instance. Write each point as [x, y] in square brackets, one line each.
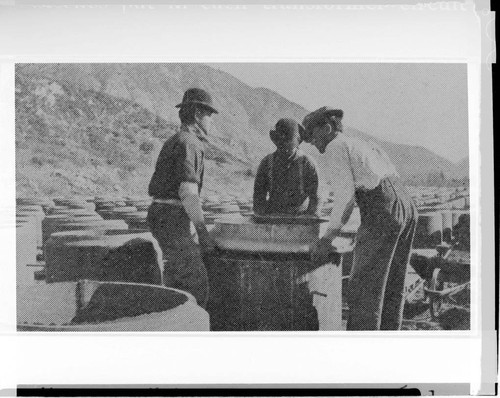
[362, 173]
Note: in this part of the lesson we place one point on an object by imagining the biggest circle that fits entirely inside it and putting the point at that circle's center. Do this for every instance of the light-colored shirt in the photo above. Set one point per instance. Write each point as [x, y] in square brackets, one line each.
[351, 164]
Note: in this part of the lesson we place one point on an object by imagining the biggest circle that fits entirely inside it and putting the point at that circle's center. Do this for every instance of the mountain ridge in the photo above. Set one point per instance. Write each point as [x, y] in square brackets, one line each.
[133, 106]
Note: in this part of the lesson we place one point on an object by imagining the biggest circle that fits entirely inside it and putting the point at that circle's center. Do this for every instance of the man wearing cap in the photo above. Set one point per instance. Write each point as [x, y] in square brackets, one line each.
[360, 172]
[286, 180]
[175, 187]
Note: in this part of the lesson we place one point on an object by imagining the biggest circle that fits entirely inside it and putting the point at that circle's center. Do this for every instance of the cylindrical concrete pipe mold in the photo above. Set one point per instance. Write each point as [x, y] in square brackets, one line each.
[459, 203]
[92, 225]
[51, 224]
[26, 252]
[142, 204]
[115, 212]
[429, 231]
[31, 223]
[115, 255]
[461, 230]
[136, 220]
[447, 225]
[225, 208]
[38, 214]
[104, 206]
[26, 241]
[456, 216]
[245, 207]
[44, 202]
[263, 278]
[108, 203]
[91, 306]
[119, 212]
[68, 211]
[75, 203]
[56, 210]
[244, 234]
[59, 238]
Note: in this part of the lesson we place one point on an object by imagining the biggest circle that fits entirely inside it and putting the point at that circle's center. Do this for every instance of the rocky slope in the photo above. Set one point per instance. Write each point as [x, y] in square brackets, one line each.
[97, 128]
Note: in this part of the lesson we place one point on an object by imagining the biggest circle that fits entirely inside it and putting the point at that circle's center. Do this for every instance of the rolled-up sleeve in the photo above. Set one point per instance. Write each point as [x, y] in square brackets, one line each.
[341, 183]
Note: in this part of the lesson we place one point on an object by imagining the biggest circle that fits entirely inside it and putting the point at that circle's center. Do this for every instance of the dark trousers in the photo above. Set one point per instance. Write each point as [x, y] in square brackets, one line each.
[184, 268]
[381, 255]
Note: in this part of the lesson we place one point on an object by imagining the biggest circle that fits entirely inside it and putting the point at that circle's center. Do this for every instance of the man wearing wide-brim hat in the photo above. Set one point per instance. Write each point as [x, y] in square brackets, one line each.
[175, 187]
[287, 180]
[361, 172]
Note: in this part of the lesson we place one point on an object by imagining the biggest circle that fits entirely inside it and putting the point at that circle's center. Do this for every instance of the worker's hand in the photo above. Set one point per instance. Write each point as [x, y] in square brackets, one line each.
[321, 252]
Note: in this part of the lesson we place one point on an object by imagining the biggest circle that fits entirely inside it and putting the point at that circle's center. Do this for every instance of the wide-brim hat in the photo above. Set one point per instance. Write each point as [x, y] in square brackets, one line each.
[318, 117]
[286, 129]
[197, 96]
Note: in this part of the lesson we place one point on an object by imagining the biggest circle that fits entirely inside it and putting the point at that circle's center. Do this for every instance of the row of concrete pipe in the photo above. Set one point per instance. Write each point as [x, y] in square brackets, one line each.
[96, 245]
[107, 239]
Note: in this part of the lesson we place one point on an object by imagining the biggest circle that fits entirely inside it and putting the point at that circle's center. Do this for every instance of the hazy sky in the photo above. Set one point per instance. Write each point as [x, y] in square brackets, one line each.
[418, 104]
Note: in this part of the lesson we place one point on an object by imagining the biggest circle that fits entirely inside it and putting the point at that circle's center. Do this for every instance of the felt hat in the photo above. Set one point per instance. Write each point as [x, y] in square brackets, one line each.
[321, 116]
[197, 96]
[285, 130]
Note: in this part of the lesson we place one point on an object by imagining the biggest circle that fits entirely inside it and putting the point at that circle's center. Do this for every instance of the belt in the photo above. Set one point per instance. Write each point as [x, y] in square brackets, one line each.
[176, 202]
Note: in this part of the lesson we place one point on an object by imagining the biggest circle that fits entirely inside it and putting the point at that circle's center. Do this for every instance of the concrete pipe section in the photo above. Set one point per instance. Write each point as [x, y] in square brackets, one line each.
[114, 255]
[37, 214]
[142, 204]
[92, 225]
[52, 223]
[26, 253]
[262, 278]
[136, 220]
[116, 212]
[429, 231]
[44, 202]
[75, 203]
[57, 210]
[90, 306]
[108, 203]
[456, 214]
[26, 241]
[447, 225]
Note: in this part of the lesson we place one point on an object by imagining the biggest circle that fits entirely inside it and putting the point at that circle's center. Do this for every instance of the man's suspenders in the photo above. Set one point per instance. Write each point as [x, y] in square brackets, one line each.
[270, 174]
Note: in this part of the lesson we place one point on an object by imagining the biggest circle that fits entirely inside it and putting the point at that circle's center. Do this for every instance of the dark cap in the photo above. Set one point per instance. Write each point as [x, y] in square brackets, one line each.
[321, 116]
[286, 130]
[197, 96]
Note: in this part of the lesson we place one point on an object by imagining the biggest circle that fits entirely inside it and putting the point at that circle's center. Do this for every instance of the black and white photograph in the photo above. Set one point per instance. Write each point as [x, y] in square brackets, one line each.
[242, 197]
[207, 199]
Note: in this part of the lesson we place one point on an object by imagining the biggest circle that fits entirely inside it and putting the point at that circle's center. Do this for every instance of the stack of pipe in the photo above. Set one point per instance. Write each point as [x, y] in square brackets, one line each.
[44, 202]
[429, 231]
[105, 306]
[109, 255]
[53, 223]
[75, 203]
[32, 211]
[136, 220]
[141, 204]
[26, 240]
[113, 213]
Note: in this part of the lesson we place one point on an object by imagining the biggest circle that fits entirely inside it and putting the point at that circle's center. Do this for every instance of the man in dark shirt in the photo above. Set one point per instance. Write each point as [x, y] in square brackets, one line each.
[286, 180]
[175, 187]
